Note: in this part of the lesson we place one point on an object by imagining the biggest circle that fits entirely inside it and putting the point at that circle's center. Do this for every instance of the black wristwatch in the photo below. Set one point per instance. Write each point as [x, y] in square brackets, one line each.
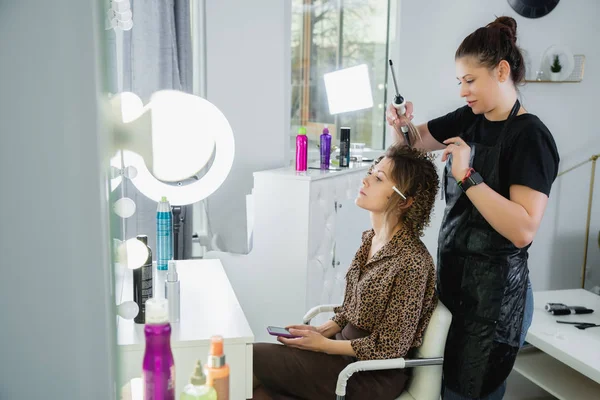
[473, 178]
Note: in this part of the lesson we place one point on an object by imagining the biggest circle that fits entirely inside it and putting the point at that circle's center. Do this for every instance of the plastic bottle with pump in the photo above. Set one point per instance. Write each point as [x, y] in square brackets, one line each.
[301, 150]
[325, 148]
[172, 292]
[197, 389]
[217, 370]
[158, 365]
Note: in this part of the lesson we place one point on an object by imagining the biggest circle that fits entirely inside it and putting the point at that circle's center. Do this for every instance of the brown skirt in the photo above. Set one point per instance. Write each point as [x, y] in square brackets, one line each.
[289, 373]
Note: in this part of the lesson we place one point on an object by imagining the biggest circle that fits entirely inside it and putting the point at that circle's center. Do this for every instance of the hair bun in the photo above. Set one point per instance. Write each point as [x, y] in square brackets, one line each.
[507, 25]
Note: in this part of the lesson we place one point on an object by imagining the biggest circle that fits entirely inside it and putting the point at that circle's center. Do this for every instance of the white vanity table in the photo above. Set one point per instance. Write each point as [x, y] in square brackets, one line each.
[565, 361]
[208, 307]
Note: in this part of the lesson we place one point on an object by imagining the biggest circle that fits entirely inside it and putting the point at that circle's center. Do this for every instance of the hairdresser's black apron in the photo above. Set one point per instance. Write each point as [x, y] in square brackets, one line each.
[482, 279]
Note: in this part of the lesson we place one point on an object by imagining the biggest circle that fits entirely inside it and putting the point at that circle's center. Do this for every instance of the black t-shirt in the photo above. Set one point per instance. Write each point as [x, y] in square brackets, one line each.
[530, 159]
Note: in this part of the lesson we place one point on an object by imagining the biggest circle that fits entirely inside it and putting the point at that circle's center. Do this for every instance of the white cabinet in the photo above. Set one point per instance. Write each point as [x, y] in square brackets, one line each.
[306, 230]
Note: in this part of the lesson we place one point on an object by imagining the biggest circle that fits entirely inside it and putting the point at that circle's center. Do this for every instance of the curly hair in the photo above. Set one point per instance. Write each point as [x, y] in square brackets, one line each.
[416, 176]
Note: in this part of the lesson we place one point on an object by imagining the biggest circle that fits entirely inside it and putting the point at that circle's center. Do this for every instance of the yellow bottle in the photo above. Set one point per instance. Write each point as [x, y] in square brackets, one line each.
[197, 389]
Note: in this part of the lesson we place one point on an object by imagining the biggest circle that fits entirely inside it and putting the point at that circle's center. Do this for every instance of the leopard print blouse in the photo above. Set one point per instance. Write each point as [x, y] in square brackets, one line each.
[392, 296]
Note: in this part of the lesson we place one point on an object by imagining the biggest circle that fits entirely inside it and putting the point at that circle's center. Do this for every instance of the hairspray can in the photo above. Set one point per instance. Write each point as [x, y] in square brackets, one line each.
[325, 148]
[301, 150]
[158, 366]
[142, 283]
[344, 147]
[164, 235]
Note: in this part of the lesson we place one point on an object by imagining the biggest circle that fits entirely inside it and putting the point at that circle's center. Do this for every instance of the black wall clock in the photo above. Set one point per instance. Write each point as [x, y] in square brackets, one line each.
[533, 8]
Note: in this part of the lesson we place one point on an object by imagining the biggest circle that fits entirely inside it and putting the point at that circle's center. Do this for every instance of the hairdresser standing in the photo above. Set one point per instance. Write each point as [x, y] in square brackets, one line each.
[501, 163]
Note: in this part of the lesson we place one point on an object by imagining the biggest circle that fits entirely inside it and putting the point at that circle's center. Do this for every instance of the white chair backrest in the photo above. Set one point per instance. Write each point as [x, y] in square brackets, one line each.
[426, 381]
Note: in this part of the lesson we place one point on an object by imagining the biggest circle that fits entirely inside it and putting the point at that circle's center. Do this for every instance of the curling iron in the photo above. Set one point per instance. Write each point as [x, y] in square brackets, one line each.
[399, 104]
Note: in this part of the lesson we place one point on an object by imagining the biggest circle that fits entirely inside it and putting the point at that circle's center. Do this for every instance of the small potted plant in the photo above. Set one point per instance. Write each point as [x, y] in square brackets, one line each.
[555, 69]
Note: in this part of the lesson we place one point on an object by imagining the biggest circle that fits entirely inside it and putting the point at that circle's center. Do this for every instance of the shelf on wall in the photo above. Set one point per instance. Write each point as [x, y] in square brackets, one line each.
[575, 77]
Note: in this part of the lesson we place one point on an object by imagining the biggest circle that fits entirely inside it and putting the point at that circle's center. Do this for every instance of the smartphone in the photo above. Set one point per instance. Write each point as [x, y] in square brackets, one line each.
[277, 331]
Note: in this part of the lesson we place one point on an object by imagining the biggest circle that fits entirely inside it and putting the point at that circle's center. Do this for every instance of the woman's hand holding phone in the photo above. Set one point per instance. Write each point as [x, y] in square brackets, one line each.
[307, 339]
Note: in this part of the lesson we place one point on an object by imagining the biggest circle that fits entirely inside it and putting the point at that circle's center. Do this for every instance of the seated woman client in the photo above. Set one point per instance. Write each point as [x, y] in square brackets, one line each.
[388, 301]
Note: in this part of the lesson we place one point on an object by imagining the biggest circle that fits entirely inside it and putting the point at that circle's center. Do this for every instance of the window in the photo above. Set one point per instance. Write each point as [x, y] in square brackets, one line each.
[328, 35]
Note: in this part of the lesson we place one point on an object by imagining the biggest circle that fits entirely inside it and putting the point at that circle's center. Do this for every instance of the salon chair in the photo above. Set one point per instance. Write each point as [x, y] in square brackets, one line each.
[426, 380]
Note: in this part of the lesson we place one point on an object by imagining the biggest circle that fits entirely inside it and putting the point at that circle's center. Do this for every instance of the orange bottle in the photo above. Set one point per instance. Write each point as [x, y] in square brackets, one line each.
[217, 371]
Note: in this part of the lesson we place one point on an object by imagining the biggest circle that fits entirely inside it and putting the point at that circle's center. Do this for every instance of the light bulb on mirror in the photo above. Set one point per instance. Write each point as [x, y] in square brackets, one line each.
[132, 128]
[124, 207]
[125, 25]
[115, 172]
[132, 253]
[119, 15]
[131, 172]
[127, 105]
[118, 171]
[128, 310]
[124, 16]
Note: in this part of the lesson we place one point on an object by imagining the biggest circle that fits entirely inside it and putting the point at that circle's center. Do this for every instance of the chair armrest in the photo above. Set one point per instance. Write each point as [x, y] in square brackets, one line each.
[313, 312]
[373, 365]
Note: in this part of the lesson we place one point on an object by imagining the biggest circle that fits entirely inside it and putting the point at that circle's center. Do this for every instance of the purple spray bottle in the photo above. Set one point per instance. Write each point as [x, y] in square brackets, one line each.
[325, 147]
[159, 367]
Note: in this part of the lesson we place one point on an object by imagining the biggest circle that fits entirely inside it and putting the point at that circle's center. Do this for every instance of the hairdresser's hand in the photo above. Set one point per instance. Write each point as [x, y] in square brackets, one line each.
[307, 340]
[398, 121]
[461, 155]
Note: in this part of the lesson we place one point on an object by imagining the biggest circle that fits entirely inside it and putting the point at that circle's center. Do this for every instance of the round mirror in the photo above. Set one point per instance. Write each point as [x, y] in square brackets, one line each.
[181, 145]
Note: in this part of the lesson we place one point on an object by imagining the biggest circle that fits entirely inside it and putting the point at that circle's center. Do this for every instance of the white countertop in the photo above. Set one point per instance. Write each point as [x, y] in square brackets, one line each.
[208, 307]
[313, 174]
[579, 349]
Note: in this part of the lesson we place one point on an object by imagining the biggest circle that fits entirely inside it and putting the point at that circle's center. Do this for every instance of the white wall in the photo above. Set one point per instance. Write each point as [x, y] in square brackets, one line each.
[430, 32]
[249, 79]
[57, 329]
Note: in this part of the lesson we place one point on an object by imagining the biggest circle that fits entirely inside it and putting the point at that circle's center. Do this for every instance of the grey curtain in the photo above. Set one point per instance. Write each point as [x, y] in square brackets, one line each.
[158, 50]
[157, 56]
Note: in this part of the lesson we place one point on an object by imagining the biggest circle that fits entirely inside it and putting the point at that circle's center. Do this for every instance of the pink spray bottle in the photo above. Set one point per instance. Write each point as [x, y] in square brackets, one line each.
[301, 150]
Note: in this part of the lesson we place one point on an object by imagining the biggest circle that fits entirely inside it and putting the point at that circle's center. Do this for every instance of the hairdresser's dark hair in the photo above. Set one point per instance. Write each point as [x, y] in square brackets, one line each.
[493, 43]
[415, 175]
